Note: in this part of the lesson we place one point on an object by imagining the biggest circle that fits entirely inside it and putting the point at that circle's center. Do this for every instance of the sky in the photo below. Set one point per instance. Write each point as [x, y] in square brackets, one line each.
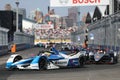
[30, 5]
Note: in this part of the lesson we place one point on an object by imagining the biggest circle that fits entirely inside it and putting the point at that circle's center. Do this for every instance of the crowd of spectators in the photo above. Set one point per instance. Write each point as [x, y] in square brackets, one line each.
[49, 33]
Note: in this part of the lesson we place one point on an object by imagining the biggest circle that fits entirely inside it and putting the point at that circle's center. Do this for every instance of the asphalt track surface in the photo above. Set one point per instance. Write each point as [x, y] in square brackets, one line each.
[89, 72]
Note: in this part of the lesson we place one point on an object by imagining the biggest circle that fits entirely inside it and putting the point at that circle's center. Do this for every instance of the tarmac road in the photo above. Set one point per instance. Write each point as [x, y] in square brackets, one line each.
[89, 72]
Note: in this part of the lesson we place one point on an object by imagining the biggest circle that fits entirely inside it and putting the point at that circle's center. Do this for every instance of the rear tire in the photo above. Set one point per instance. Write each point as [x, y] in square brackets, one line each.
[115, 60]
[81, 62]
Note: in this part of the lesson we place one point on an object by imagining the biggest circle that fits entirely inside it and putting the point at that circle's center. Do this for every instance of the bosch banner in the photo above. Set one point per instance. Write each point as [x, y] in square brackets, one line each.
[63, 3]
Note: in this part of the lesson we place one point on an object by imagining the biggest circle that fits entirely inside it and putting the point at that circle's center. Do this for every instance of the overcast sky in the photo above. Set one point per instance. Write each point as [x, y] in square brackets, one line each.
[42, 4]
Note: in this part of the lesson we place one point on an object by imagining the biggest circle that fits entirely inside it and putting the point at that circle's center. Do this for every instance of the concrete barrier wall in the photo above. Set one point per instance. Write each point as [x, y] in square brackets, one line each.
[23, 40]
[3, 50]
[3, 41]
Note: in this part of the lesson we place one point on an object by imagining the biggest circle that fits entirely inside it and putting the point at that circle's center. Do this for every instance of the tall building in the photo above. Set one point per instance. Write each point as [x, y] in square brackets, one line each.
[8, 7]
[36, 15]
[63, 23]
[73, 13]
[21, 11]
[8, 20]
[54, 19]
[69, 22]
[31, 15]
[114, 6]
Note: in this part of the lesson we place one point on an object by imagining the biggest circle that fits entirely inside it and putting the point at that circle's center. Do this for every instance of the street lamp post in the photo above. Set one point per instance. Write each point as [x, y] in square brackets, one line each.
[17, 4]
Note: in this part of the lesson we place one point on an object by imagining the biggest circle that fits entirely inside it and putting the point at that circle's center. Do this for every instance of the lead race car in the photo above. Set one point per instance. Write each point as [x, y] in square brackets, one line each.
[46, 60]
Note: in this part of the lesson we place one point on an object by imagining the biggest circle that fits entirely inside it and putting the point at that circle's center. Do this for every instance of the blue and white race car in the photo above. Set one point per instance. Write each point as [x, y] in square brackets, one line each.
[46, 60]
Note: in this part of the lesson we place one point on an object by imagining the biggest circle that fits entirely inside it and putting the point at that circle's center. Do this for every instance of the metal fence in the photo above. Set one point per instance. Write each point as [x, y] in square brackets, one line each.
[105, 31]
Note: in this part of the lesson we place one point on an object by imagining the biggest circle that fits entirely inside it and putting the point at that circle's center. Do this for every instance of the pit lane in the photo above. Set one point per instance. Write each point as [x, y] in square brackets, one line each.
[89, 72]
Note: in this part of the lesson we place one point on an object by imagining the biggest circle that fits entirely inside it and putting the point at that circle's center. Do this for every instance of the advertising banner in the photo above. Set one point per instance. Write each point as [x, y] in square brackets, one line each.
[43, 26]
[64, 3]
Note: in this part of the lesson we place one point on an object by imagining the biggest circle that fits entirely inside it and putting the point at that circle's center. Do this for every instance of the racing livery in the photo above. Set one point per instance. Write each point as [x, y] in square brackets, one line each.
[46, 60]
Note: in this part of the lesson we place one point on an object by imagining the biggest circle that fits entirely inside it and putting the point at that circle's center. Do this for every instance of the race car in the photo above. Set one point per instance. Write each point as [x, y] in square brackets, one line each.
[46, 60]
[102, 56]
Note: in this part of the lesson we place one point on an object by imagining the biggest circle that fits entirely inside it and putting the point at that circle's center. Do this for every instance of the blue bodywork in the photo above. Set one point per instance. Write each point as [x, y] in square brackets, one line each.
[55, 58]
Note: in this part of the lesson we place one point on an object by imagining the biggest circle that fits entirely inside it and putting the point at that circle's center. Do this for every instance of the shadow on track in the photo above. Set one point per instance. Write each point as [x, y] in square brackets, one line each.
[4, 74]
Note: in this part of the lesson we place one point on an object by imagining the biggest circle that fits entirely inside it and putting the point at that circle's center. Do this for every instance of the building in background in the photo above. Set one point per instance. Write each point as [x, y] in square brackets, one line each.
[27, 26]
[55, 20]
[8, 7]
[38, 16]
[69, 22]
[88, 18]
[8, 20]
[31, 15]
[114, 6]
[97, 14]
[62, 22]
[107, 11]
[73, 14]
[21, 11]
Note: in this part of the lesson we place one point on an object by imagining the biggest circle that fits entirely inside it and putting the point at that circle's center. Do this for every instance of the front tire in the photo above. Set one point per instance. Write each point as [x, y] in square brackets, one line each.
[42, 64]
[17, 58]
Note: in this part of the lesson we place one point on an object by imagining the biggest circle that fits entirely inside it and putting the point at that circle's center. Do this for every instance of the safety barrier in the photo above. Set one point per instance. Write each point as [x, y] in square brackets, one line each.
[104, 32]
[23, 41]
[3, 50]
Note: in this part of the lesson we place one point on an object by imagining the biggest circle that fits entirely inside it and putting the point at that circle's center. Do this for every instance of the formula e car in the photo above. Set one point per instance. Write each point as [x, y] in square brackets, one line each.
[46, 60]
[101, 56]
